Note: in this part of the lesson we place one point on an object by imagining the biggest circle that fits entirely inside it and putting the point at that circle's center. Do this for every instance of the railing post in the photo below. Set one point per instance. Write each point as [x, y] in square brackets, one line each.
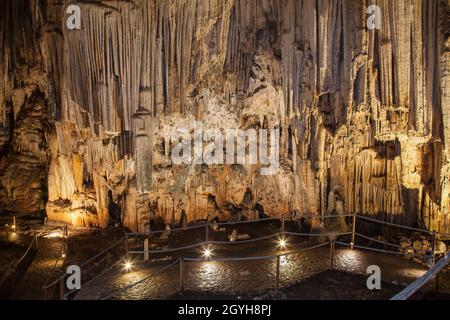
[332, 248]
[126, 246]
[436, 284]
[282, 225]
[146, 246]
[36, 240]
[207, 231]
[182, 275]
[433, 261]
[277, 273]
[13, 280]
[61, 289]
[353, 230]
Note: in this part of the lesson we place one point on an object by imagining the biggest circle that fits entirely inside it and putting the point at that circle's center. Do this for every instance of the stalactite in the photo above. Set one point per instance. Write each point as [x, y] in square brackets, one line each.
[363, 114]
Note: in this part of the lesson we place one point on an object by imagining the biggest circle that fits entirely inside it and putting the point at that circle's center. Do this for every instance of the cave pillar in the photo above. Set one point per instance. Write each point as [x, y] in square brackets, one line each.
[143, 149]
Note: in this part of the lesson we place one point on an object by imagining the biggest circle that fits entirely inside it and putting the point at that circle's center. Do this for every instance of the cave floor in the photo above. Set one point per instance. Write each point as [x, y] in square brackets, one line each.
[303, 275]
[46, 261]
[326, 285]
[256, 277]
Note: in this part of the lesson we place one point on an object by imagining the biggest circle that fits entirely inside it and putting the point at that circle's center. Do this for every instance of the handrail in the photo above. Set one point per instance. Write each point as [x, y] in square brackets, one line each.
[16, 265]
[330, 234]
[67, 294]
[85, 263]
[203, 225]
[419, 283]
[232, 223]
[255, 258]
[258, 257]
[380, 250]
[393, 224]
[103, 251]
[305, 249]
[168, 250]
[26, 252]
[142, 280]
[245, 241]
[205, 243]
[126, 237]
[379, 241]
[54, 266]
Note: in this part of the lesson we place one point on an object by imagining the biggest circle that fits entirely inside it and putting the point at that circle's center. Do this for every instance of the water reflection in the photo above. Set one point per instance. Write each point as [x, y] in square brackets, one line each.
[353, 260]
[258, 276]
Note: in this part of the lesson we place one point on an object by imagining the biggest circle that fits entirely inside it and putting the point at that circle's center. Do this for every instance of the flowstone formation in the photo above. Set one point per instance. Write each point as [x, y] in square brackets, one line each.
[363, 114]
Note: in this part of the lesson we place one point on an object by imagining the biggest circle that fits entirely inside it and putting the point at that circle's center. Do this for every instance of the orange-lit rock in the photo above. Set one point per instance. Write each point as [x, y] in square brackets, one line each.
[363, 116]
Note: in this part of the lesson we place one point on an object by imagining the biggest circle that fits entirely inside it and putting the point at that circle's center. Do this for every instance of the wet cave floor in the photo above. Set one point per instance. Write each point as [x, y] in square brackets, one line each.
[326, 285]
[303, 276]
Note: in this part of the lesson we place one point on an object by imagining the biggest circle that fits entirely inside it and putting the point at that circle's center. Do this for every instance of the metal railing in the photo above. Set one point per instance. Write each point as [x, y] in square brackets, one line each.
[431, 274]
[207, 242]
[181, 262]
[12, 272]
[332, 244]
[60, 281]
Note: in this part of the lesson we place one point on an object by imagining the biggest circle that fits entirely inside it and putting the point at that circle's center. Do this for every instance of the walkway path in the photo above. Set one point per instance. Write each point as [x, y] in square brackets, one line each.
[30, 286]
[248, 276]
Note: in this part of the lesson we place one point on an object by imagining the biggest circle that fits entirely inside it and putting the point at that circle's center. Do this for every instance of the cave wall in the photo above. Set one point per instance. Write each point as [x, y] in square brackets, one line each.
[363, 115]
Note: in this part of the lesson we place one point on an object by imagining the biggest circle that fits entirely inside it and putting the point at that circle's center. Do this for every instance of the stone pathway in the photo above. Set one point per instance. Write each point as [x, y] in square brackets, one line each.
[30, 286]
[248, 276]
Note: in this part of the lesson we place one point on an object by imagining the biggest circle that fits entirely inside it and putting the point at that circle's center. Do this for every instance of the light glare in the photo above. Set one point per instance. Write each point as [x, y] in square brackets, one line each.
[282, 243]
[207, 253]
[128, 265]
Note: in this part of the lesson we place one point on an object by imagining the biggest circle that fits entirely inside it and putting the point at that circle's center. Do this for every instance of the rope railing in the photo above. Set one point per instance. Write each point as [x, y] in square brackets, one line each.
[203, 225]
[306, 249]
[244, 241]
[47, 280]
[60, 280]
[432, 273]
[181, 262]
[399, 226]
[279, 234]
[140, 281]
[330, 234]
[232, 223]
[229, 259]
[379, 241]
[205, 243]
[12, 271]
[67, 294]
[379, 250]
[192, 246]
[107, 249]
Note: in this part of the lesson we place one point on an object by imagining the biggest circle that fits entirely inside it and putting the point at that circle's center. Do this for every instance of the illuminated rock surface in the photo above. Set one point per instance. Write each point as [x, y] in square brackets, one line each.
[86, 115]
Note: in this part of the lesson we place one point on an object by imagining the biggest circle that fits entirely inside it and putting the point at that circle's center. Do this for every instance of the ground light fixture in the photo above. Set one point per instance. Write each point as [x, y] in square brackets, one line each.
[282, 243]
[207, 253]
[127, 265]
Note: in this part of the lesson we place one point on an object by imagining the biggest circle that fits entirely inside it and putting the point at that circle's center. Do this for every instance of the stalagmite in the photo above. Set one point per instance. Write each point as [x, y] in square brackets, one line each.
[86, 116]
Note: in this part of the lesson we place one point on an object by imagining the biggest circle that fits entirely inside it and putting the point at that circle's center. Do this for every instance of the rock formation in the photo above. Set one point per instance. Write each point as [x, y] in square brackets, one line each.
[363, 115]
